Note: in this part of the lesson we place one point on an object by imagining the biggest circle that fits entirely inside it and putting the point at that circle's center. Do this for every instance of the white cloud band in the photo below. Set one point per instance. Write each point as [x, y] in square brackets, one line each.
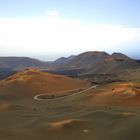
[60, 35]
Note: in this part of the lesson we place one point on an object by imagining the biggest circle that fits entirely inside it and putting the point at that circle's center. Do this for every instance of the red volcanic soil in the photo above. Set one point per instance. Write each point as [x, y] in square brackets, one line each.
[116, 94]
[32, 82]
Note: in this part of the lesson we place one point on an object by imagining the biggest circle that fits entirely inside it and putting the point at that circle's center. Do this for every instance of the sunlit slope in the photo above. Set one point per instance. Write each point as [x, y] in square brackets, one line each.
[124, 93]
[31, 82]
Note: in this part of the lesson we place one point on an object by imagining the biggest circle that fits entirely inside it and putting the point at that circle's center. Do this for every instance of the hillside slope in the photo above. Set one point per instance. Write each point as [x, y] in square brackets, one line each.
[32, 82]
[20, 63]
[94, 62]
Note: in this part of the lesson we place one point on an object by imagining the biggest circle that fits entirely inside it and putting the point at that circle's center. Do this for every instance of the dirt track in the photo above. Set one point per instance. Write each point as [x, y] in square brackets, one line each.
[61, 94]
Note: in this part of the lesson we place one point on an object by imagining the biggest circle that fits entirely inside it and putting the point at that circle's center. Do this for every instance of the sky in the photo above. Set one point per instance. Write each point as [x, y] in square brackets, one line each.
[48, 29]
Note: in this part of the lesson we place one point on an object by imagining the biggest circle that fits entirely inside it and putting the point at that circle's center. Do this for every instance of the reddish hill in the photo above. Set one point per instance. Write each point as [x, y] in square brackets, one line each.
[124, 93]
[31, 82]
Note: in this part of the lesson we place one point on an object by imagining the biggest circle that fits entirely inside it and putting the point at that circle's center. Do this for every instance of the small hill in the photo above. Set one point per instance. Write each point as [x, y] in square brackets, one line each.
[20, 63]
[86, 59]
[31, 82]
[120, 56]
[121, 93]
[64, 60]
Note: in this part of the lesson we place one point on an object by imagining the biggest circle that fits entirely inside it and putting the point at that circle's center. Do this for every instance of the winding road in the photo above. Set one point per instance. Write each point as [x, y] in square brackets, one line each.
[61, 97]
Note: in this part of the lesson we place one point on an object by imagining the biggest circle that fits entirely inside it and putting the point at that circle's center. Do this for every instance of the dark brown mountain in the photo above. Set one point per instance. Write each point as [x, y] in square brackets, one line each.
[63, 60]
[86, 59]
[20, 63]
[120, 56]
[94, 62]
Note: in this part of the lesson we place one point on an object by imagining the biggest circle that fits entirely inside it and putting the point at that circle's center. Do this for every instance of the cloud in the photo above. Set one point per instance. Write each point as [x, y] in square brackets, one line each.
[52, 13]
[59, 35]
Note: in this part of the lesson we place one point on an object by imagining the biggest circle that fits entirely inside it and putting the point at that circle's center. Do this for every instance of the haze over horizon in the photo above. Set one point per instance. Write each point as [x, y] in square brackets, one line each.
[47, 30]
